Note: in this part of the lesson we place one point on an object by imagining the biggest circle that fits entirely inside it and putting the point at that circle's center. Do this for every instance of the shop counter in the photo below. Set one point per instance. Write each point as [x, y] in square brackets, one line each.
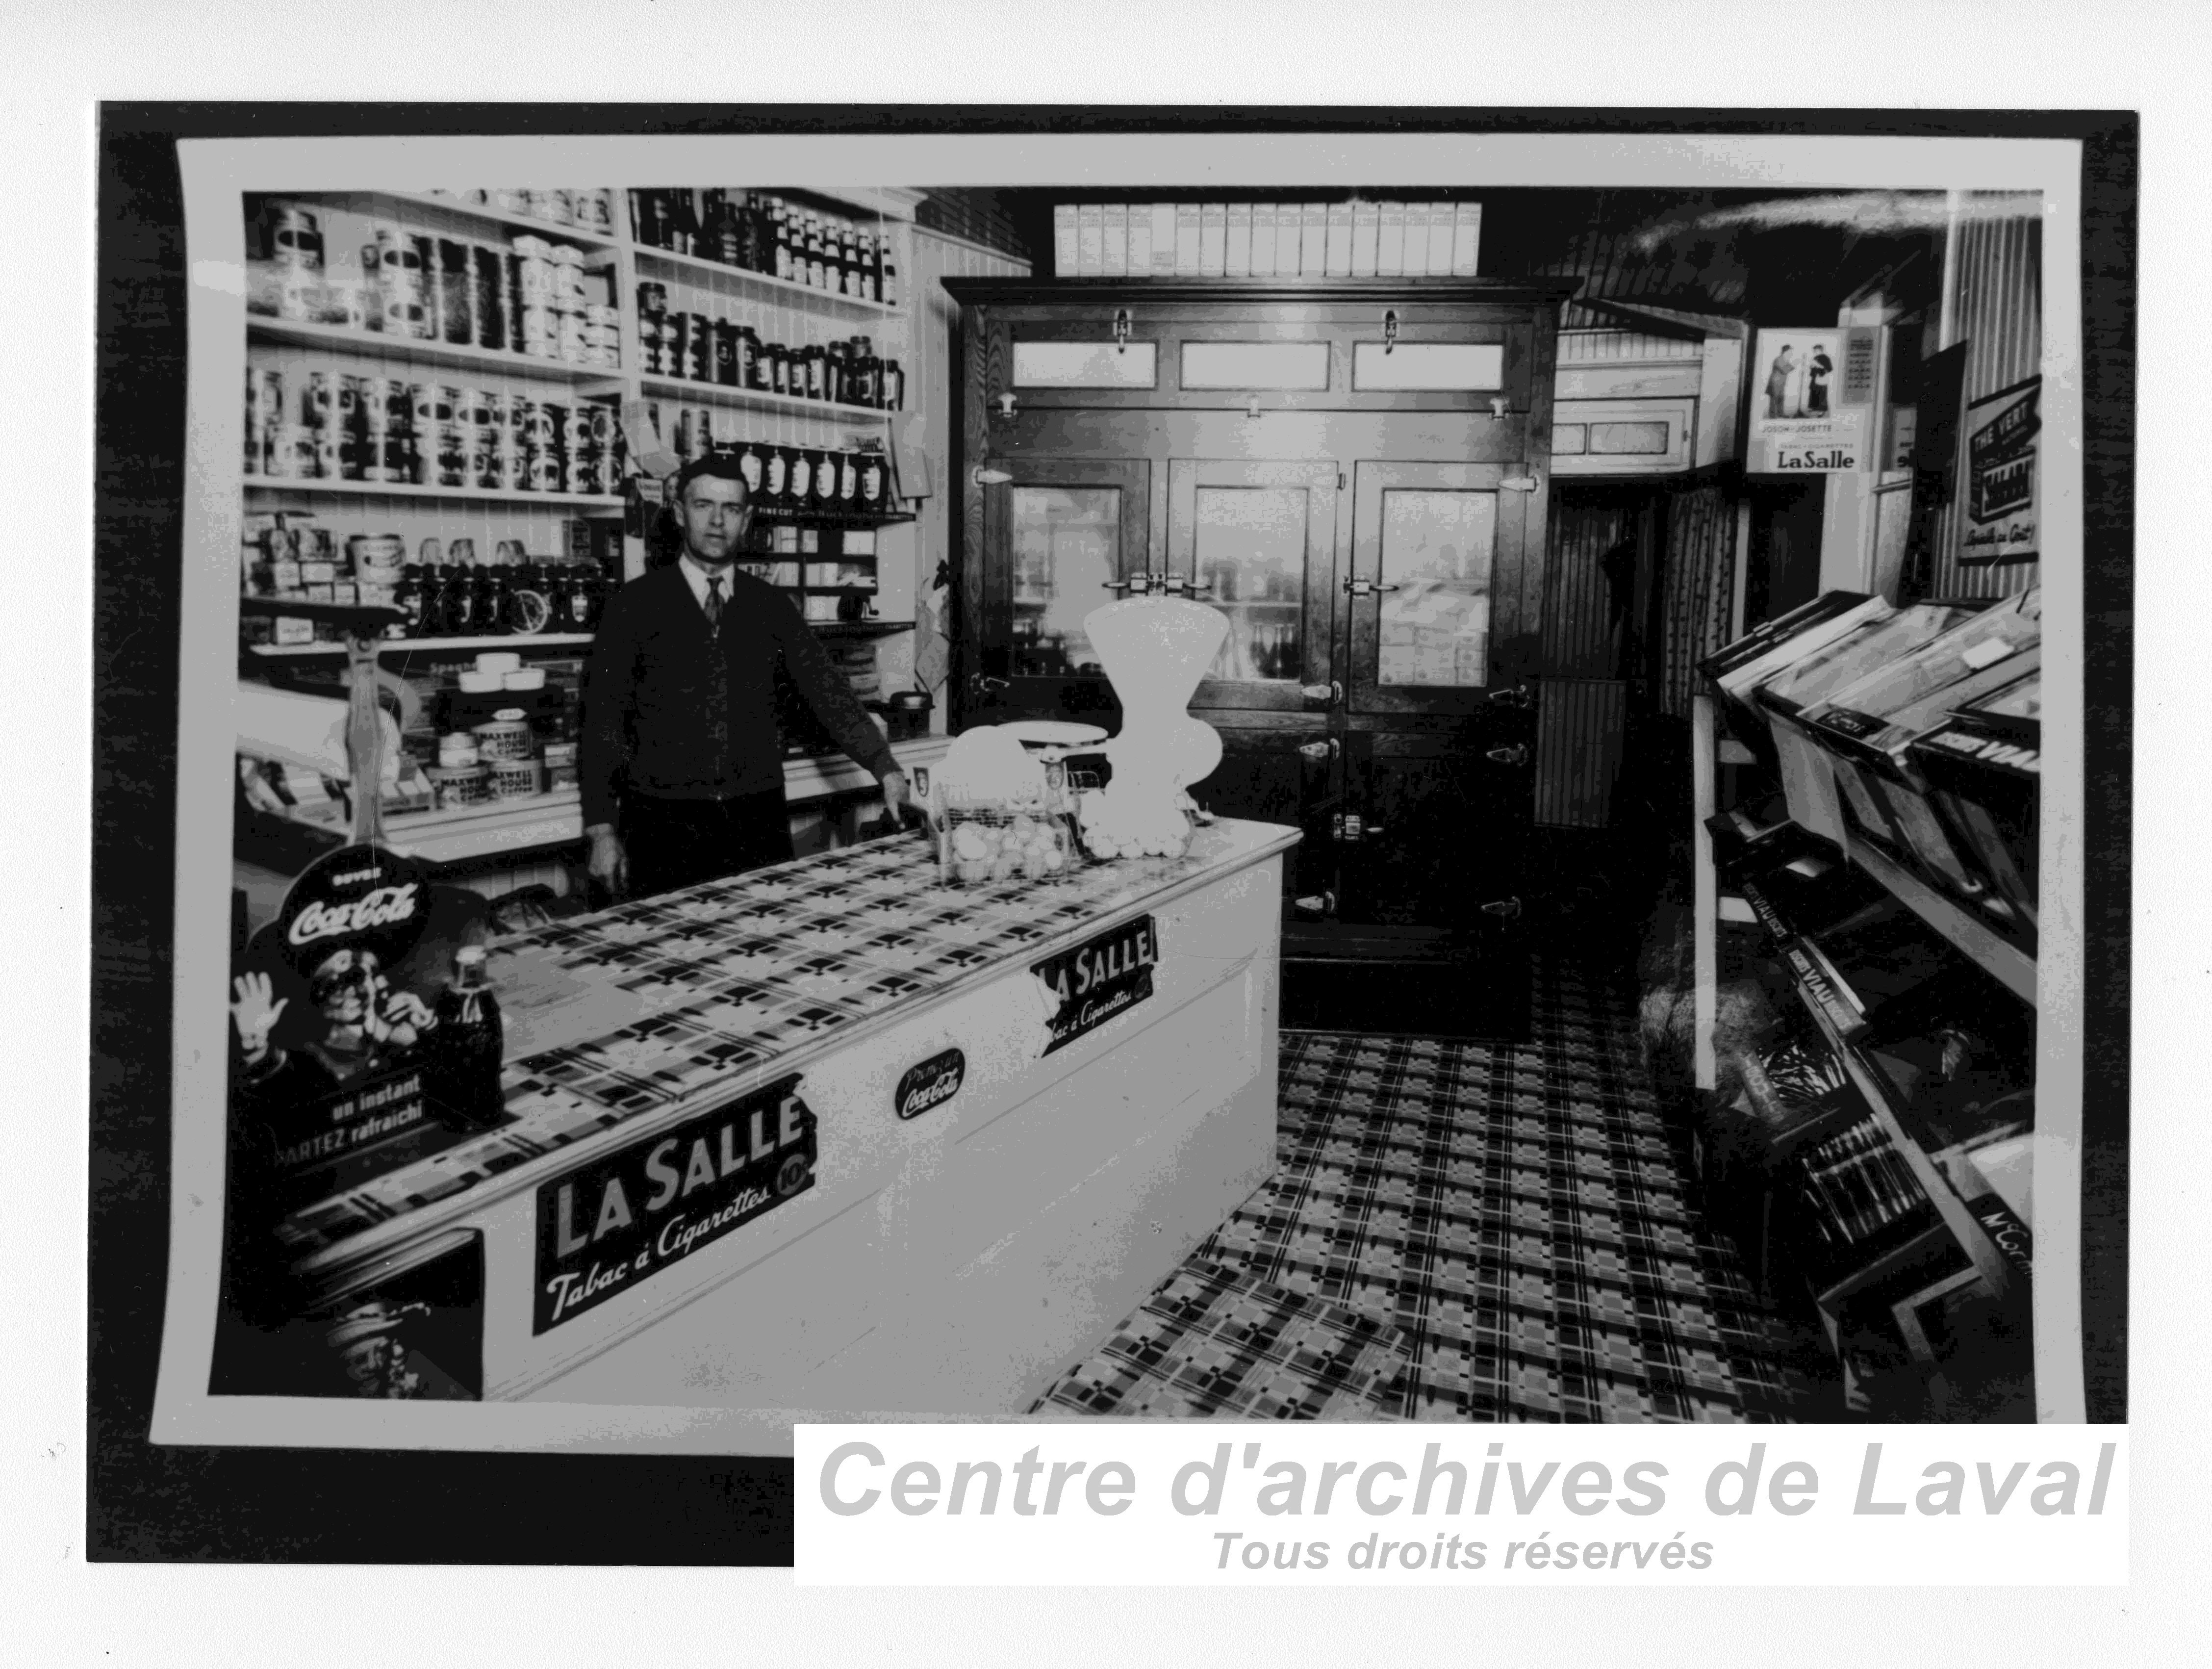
[835, 1139]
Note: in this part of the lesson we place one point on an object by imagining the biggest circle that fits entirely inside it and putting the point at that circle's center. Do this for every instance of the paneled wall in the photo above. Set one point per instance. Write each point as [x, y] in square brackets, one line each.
[1996, 300]
[934, 321]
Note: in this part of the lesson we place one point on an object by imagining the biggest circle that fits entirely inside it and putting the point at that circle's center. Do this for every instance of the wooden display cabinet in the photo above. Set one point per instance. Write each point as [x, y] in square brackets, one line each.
[1355, 474]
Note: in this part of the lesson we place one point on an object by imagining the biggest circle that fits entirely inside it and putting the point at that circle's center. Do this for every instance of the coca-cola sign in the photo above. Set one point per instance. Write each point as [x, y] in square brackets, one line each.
[930, 1083]
[359, 897]
[381, 908]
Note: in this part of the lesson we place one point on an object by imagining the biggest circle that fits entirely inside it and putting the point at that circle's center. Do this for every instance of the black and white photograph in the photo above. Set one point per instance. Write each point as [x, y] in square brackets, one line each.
[898, 766]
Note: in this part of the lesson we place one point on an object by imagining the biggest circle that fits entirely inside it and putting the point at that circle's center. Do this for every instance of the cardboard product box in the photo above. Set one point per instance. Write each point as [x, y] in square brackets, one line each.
[1982, 765]
[1808, 780]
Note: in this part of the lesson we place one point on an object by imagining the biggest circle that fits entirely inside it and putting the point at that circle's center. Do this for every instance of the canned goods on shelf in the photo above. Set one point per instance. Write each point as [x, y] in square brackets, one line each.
[452, 787]
[516, 779]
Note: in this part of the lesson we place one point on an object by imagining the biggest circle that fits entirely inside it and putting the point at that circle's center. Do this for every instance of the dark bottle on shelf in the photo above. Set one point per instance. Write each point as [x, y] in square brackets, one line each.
[894, 390]
[814, 272]
[472, 1041]
[775, 476]
[814, 358]
[833, 373]
[779, 229]
[856, 269]
[758, 369]
[871, 481]
[799, 479]
[492, 601]
[825, 479]
[848, 480]
[686, 237]
[457, 601]
[889, 283]
[748, 217]
[726, 239]
[866, 381]
[779, 367]
[407, 597]
[726, 353]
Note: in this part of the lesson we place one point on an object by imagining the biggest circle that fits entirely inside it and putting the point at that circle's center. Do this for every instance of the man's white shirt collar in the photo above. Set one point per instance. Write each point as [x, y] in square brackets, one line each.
[696, 577]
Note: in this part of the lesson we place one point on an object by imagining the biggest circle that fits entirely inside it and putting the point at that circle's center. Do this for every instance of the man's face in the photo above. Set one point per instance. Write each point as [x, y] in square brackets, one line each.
[715, 516]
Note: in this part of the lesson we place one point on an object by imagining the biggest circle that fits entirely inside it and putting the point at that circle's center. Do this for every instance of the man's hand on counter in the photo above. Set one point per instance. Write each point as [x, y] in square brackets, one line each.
[900, 806]
[609, 864]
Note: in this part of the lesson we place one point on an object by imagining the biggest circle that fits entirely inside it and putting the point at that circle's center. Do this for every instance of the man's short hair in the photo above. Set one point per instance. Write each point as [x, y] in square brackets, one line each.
[722, 466]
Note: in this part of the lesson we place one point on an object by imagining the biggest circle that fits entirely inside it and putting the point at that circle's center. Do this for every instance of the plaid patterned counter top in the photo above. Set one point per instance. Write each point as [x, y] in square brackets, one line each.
[661, 1003]
[1458, 1233]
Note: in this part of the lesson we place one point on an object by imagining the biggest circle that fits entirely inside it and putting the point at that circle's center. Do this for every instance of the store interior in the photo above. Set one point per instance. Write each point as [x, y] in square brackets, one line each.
[1649, 1046]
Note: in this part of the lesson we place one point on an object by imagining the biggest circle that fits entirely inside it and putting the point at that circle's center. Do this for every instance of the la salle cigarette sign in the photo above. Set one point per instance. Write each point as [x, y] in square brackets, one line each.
[609, 1225]
[1101, 978]
[1812, 401]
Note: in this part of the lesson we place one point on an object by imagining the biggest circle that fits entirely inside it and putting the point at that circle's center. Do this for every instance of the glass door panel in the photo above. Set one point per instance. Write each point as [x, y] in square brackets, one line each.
[1433, 605]
[1255, 538]
[1067, 552]
[1437, 549]
[1249, 544]
[1058, 535]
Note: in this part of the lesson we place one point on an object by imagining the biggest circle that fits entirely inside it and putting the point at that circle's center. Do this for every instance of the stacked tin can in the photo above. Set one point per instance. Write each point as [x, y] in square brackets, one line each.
[403, 281]
[298, 251]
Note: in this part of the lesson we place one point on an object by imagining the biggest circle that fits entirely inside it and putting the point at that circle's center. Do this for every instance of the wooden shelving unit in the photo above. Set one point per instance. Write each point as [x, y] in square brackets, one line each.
[780, 306]
[341, 340]
[317, 487]
[651, 261]
[1825, 996]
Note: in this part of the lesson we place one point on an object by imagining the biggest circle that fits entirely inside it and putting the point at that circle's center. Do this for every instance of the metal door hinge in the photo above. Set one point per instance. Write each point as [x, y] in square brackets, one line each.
[1508, 908]
[1331, 692]
[1352, 828]
[1516, 755]
[1316, 904]
[1519, 484]
[1368, 587]
[1320, 751]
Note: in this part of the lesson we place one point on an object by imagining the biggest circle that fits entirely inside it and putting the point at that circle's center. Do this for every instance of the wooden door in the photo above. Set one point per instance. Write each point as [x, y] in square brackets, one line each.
[1062, 536]
[1257, 539]
[1439, 725]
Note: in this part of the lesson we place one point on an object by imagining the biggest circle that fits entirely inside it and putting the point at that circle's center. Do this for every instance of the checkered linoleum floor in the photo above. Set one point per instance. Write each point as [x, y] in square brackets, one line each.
[1458, 1231]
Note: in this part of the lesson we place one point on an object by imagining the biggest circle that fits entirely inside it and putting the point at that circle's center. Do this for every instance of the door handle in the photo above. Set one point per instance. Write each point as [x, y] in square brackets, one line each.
[1352, 828]
[1319, 751]
[1114, 585]
[1368, 587]
[1508, 908]
[983, 684]
[1331, 691]
[1516, 755]
[1317, 903]
[1519, 696]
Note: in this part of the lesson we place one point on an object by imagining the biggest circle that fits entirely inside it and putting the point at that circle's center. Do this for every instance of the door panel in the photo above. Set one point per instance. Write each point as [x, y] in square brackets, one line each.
[1433, 599]
[1061, 537]
[1443, 829]
[1255, 539]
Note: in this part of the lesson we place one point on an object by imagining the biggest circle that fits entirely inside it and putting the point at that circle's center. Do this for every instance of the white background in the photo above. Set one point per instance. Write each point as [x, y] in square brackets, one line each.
[57, 1610]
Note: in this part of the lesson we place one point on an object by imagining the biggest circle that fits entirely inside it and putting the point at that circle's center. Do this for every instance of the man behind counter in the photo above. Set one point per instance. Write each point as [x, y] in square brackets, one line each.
[681, 763]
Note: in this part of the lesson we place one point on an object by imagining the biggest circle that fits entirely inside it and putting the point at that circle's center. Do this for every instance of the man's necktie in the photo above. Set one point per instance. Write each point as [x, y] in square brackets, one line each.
[715, 605]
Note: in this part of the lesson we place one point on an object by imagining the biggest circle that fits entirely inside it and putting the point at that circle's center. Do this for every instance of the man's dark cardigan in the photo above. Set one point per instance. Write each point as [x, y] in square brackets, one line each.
[670, 709]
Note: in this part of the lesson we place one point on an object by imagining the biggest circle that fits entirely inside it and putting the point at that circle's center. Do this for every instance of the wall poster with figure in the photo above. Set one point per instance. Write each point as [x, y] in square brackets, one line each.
[1812, 400]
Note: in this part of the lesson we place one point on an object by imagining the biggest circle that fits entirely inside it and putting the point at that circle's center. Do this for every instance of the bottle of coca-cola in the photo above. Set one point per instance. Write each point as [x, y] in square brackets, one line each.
[471, 1042]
